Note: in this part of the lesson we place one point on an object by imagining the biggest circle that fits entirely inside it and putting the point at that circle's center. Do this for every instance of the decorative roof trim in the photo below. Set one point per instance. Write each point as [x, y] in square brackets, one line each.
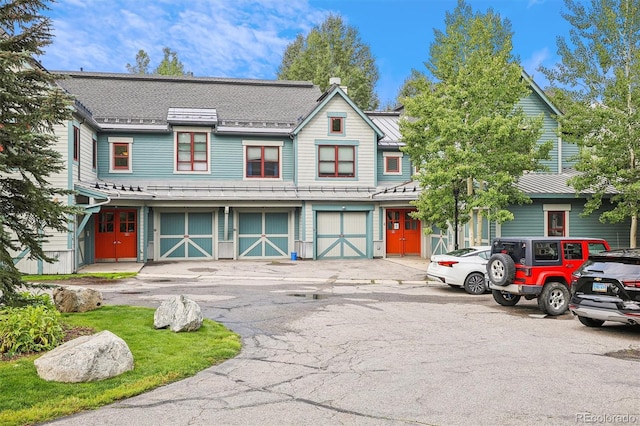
[333, 91]
[537, 90]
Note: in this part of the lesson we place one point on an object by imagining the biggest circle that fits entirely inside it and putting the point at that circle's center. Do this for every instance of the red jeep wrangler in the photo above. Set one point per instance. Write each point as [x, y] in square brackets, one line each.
[538, 267]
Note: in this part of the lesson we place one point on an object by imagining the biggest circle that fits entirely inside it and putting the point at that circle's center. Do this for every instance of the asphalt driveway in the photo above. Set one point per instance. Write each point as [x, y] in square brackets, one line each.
[370, 342]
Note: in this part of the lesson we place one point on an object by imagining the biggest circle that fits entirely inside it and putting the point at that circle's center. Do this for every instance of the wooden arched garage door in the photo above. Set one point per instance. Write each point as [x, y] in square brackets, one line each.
[263, 235]
[342, 234]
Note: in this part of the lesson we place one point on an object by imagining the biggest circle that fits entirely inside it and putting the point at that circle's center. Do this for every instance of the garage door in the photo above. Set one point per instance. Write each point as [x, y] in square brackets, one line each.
[263, 235]
[341, 235]
[186, 235]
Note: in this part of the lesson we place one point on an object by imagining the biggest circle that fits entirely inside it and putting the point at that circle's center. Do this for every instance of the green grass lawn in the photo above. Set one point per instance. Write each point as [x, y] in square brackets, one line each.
[62, 277]
[160, 357]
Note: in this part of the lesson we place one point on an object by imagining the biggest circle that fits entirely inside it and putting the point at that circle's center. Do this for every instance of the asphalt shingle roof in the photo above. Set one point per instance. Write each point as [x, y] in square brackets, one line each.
[144, 98]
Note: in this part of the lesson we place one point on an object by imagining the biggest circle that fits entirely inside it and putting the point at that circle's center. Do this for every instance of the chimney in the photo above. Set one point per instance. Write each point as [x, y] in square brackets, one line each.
[337, 81]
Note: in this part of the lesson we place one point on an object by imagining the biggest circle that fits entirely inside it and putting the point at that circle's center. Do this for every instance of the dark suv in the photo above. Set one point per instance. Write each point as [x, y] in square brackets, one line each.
[538, 267]
[607, 288]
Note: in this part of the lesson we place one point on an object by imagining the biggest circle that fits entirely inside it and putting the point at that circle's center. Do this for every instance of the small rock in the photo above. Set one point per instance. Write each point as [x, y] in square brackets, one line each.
[179, 314]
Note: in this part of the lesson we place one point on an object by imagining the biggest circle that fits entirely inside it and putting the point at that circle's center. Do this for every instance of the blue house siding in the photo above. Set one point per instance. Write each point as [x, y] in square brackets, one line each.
[569, 152]
[533, 106]
[153, 158]
[529, 221]
[406, 169]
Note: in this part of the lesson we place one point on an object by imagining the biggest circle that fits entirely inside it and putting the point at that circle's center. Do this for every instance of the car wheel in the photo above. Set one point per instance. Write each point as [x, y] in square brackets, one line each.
[554, 299]
[475, 283]
[505, 299]
[590, 322]
[501, 269]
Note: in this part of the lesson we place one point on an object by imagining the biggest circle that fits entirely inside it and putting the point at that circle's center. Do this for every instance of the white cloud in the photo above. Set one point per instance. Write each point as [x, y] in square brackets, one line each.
[531, 65]
[532, 3]
[241, 38]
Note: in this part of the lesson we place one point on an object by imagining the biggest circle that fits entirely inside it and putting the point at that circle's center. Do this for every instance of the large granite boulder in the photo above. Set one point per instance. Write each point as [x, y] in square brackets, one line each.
[76, 299]
[179, 314]
[86, 359]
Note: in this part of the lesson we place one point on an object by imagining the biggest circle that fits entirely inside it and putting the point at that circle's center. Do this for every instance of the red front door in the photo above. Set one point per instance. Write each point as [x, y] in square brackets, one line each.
[116, 232]
[403, 233]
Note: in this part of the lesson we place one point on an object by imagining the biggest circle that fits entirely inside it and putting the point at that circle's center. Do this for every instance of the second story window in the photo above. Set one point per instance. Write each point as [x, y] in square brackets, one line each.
[336, 161]
[121, 156]
[121, 159]
[192, 152]
[263, 162]
[392, 163]
[76, 143]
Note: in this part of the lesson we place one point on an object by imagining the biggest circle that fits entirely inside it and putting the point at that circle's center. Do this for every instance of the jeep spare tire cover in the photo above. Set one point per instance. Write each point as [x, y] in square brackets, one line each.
[501, 269]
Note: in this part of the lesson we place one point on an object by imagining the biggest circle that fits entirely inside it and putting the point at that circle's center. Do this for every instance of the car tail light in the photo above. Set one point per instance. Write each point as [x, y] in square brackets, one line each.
[448, 263]
[526, 271]
[631, 283]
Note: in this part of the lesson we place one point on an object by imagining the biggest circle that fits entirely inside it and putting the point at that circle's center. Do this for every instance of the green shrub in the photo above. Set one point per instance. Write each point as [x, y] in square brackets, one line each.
[33, 328]
[30, 299]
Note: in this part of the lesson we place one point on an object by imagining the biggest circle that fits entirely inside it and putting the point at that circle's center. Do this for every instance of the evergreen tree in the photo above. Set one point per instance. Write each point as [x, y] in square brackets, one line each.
[463, 128]
[333, 49]
[30, 105]
[597, 86]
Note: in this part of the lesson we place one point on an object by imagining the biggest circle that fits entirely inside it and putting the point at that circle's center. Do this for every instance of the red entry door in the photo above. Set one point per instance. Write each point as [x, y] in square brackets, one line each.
[116, 232]
[403, 233]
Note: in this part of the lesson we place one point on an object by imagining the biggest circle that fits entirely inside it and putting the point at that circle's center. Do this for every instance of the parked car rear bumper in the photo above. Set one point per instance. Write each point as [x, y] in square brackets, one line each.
[605, 314]
[439, 278]
[517, 289]
[605, 308]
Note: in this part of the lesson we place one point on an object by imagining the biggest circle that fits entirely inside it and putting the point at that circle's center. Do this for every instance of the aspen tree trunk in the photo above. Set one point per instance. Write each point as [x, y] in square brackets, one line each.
[479, 227]
[472, 233]
[633, 232]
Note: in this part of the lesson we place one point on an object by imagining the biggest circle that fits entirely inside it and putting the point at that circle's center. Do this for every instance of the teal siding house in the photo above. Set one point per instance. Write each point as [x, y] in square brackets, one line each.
[188, 168]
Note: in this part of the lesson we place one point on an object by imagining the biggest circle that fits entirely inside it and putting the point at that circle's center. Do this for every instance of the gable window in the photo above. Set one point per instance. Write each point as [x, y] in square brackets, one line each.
[192, 152]
[120, 158]
[392, 163]
[76, 143]
[336, 161]
[262, 160]
[336, 123]
[556, 220]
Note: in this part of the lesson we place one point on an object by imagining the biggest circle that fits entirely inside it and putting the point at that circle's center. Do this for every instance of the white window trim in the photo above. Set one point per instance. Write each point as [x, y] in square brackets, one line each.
[188, 129]
[566, 208]
[245, 144]
[399, 155]
[118, 140]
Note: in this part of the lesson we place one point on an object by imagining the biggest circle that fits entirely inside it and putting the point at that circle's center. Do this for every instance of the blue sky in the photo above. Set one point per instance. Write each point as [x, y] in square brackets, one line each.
[246, 39]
